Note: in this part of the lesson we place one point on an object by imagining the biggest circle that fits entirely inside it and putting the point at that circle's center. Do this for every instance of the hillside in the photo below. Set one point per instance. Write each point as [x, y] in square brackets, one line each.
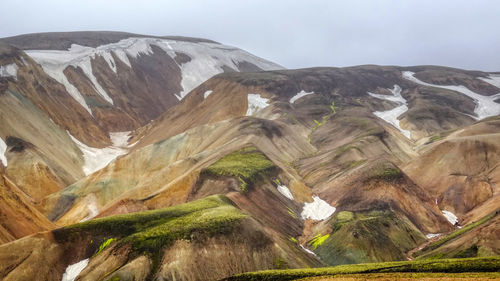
[172, 158]
[67, 108]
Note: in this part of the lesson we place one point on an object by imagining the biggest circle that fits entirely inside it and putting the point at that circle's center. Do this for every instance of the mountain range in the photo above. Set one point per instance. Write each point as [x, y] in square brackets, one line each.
[134, 157]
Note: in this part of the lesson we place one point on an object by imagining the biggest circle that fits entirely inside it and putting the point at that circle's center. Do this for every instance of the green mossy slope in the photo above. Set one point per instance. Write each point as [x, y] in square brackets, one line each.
[245, 164]
[152, 230]
[435, 250]
[491, 264]
[368, 237]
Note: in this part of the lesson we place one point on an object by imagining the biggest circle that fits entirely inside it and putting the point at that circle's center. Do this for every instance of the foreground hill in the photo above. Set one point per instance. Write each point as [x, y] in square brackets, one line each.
[457, 269]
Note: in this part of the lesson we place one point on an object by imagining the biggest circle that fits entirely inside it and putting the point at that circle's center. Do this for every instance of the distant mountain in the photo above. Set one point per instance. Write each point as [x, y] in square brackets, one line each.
[241, 169]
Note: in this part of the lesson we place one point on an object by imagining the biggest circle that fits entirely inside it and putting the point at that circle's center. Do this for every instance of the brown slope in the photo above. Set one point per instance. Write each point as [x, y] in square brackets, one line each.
[431, 110]
[35, 87]
[168, 169]
[467, 176]
[18, 217]
[41, 147]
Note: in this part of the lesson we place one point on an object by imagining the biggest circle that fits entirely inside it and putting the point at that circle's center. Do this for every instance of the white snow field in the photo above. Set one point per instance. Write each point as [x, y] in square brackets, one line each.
[307, 250]
[3, 149]
[493, 79]
[391, 116]
[485, 105]
[450, 216]
[98, 158]
[120, 139]
[256, 103]
[206, 60]
[73, 270]
[9, 70]
[285, 191]
[432, 235]
[299, 95]
[207, 93]
[317, 210]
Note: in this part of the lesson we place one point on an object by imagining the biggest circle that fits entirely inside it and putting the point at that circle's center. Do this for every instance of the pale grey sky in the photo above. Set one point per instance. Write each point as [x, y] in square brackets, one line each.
[295, 34]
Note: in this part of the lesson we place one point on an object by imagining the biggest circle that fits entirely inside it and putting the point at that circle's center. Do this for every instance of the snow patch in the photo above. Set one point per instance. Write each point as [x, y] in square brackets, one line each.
[432, 235]
[120, 139]
[9, 70]
[307, 250]
[450, 217]
[72, 90]
[110, 61]
[300, 95]
[98, 158]
[256, 103]
[317, 210]
[283, 189]
[54, 62]
[207, 93]
[391, 116]
[493, 79]
[3, 149]
[92, 208]
[73, 270]
[485, 105]
[206, 60]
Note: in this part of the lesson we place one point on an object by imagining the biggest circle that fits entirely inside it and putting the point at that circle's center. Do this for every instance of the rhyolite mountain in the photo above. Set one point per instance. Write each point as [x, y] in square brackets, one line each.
[65, 91]
[131, 157]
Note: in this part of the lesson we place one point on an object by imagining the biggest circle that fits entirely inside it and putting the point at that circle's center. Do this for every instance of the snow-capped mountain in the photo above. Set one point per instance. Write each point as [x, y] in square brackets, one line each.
[75, 91]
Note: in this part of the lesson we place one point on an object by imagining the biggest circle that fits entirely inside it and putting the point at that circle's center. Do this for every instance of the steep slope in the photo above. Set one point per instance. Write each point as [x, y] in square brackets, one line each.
[318, 128]
[155, 245]
[466, 182]
[479, 238]
[64, 96]
[165, 173]
[18, 217]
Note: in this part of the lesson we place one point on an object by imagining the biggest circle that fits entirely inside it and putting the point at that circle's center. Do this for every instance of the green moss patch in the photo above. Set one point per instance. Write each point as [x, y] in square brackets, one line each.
[150, 231]
[453, 236]
[245, 164]
[386, 171]
[345, 216]
[104, 245]
[442, 266]
[374, 236]
[318, 240]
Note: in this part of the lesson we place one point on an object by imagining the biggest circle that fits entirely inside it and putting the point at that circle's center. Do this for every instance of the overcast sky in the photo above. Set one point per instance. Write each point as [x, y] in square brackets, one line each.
[295, 34]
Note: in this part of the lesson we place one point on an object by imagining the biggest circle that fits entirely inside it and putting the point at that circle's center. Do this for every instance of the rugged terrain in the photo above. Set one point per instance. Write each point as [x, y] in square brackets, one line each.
[168, 158]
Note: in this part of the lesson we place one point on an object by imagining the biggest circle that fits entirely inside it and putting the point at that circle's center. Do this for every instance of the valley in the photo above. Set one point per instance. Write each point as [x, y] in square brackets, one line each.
[135, 157]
